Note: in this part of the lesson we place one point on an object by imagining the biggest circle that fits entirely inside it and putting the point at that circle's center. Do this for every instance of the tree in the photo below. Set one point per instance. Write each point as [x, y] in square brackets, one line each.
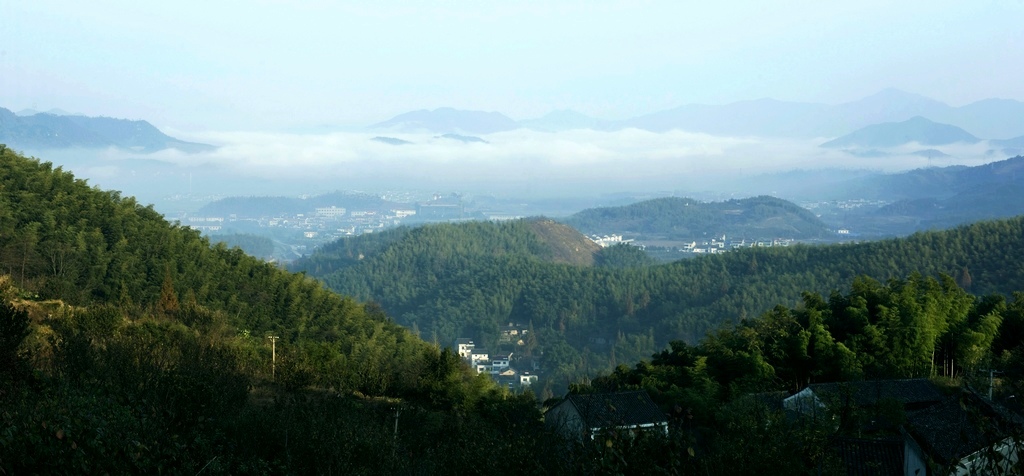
[965, 280]
[531, 340]
[168, 304]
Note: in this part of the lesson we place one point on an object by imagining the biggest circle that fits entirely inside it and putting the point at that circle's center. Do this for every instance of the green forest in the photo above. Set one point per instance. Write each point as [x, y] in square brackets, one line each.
[466, 280]
[679, 218]
[129, 344]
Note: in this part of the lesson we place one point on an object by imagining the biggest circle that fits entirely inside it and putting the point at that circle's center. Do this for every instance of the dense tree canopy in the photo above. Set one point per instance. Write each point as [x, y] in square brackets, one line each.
[467, 279]
[132, 345]
[755, 218]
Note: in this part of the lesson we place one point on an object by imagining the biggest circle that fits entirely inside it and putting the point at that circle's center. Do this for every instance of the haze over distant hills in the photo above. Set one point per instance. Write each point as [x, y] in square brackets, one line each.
[892, 134]
[929, 198]
[1010, 146]
[448, 120]
[255, 207]
[988, 118]
[60, 131]
[562, 120]
[55, 111]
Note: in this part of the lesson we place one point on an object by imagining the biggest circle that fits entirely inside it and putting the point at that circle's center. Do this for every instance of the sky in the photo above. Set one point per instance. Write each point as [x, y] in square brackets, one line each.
[277, 66]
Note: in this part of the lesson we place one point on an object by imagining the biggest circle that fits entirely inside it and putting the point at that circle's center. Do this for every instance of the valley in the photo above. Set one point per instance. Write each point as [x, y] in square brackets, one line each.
[150, 333]
[511, 238]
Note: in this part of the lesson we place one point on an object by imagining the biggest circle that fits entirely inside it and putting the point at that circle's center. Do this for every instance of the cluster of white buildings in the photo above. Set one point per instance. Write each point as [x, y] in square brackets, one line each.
[714, 245]
[609, 240]
[498, 366]
[205, 223]
[718, 246]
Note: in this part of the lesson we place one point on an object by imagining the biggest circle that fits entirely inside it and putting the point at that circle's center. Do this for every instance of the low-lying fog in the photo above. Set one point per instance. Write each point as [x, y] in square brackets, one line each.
[519, 163]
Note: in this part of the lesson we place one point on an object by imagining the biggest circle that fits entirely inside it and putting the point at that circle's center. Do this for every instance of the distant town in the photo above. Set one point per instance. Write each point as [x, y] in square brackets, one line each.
[298, 234]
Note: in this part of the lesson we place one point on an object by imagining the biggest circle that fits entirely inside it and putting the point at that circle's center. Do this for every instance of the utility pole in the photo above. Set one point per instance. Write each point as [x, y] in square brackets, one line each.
[273, 356]
[394, 446]
[991, 383]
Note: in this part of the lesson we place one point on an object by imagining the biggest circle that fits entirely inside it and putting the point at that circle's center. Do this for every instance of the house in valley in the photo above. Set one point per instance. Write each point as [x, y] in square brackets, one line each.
[464, 347]
[907, 394]
[584, 416]
[912, 427]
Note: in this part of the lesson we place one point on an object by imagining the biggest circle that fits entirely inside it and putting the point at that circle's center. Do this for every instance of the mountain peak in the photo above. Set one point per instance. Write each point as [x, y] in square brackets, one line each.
[49, 130]
[917, 129]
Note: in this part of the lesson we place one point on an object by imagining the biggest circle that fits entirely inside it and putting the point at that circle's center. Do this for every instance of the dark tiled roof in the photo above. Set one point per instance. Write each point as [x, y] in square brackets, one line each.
[863, 457]
[959, 426]
[602, 410]
[910, 392]
[771, 400]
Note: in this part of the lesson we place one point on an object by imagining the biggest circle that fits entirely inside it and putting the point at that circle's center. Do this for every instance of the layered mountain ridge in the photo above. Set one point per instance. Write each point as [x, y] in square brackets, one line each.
[57, 131]
[996, 119]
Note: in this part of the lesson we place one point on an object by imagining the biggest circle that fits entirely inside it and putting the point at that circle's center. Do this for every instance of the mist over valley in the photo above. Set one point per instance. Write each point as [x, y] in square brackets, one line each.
[511, 237]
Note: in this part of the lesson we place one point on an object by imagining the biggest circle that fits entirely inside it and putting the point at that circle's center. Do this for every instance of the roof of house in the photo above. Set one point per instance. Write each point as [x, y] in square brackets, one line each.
[463, 340]
[603, 410]
[958, 426]
[871, 457]
[910, 392]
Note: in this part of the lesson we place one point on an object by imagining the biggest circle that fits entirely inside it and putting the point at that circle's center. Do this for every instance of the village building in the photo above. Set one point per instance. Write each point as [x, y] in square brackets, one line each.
[910, 427]
[584, 416]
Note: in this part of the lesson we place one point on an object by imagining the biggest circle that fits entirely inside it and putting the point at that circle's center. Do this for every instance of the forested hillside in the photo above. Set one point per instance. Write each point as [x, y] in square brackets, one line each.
[937, 198]
[466, 280]
[726, 391]
[940, 183]
[131, 345]
[63, 240]
[688, 219]
[254, 245]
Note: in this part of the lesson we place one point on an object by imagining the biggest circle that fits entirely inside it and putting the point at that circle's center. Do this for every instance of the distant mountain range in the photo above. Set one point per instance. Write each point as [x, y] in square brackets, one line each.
[935, 198]
[54, 111]
[989, 118]
[56, 131]
[870, 204]
[1013, 146]
[1015, 142]
[893, 134]
[939, 183]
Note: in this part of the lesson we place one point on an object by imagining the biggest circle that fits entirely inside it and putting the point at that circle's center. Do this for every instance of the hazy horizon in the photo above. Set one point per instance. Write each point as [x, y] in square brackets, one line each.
[286, 91]
[519, 163]
[275, 66]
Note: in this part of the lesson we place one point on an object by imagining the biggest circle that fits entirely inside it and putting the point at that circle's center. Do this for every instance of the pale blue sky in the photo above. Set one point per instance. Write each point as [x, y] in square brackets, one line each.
[265, 65]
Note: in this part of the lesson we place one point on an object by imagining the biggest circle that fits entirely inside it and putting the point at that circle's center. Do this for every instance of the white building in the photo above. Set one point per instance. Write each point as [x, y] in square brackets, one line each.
[330, 212]
[464, 347]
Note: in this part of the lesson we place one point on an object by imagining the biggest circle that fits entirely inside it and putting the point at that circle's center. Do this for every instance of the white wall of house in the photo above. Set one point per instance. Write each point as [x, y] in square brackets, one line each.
[986, 462]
